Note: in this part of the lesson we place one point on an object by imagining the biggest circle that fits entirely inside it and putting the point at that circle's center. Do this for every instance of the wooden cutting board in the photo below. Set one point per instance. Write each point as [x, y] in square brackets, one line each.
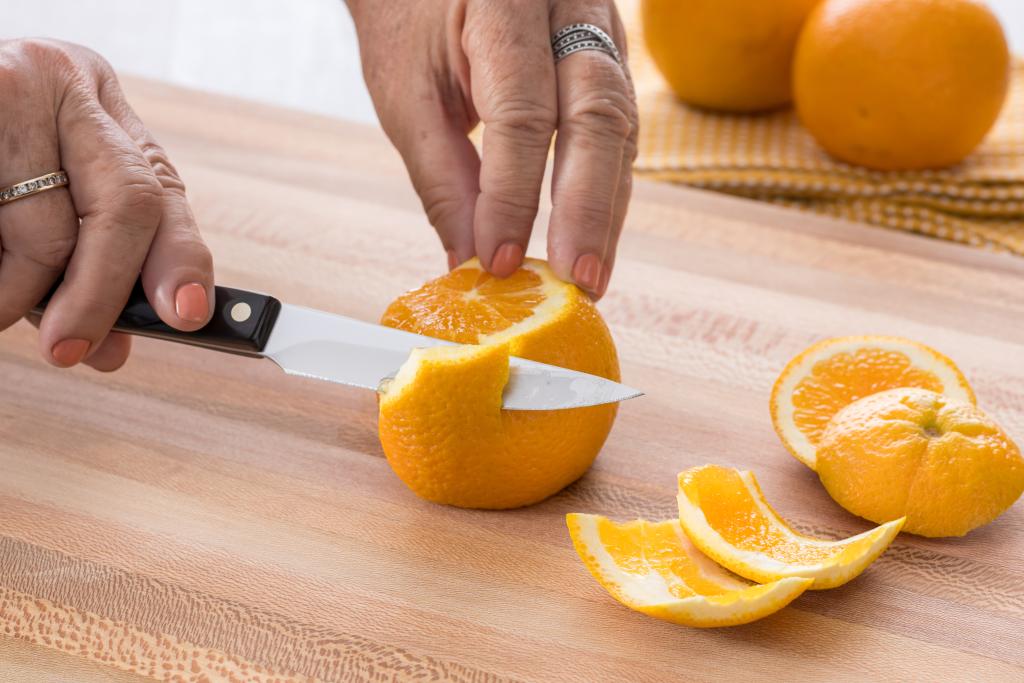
[198, 516]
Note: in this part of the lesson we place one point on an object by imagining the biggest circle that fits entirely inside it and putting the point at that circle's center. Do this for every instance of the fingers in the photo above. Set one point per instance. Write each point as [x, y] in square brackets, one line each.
[128, 197]
[120, 202]
[445, 170]
[37, 233]
[597, 130]
[178, 272]
[418, 92]
[111, 354]
[513, 84]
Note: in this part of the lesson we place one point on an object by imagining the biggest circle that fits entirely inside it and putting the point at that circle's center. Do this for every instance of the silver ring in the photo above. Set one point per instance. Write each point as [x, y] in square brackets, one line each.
[579, 37]
[28, 188]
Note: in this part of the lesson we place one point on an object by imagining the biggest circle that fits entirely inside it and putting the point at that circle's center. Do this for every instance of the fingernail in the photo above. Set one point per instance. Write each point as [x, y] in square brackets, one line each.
[453, 260]
[587, 272]
[507, 259]
[190, 303]
[69, 352]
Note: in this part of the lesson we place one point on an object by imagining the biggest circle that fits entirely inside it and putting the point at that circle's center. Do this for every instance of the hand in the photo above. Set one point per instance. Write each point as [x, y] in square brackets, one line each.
[435, 68]
[124, 211]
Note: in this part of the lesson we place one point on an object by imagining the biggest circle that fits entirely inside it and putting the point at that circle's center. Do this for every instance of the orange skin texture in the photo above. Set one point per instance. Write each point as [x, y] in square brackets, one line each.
[448, 439]
[943, 463]
[732, 55]
[900, 84]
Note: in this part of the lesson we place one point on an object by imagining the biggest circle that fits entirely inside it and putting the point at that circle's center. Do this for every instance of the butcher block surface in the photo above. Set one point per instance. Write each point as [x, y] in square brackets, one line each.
[198, 516]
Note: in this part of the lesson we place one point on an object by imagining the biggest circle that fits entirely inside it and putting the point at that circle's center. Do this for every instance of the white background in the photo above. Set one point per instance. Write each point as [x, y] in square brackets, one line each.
[297, 53]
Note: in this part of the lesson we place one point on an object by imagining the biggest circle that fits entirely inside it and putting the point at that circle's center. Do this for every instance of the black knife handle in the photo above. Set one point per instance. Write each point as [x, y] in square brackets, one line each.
[241, 323]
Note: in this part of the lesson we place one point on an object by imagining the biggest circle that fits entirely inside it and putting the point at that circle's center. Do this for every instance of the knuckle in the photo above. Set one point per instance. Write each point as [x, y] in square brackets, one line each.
[52, 253]
[168, 178]
[136, 202]
[528, 121]
[189, 248]
[445, 205]
[45, 53]
[98, 62]
[441, 205]
[512, 194]
[93, 305]
[163, 169]
[589, 210]
[511, 208]
[608, 115]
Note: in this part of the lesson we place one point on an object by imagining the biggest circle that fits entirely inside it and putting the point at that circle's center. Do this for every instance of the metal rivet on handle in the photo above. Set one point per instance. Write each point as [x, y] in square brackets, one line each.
[241, 312]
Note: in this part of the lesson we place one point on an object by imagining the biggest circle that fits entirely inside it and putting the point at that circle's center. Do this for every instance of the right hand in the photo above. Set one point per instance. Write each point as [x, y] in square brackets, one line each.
[123, 213]
[436, 68]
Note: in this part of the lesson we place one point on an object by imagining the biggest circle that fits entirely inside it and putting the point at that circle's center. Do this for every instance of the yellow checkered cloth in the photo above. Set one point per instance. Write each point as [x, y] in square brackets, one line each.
[773, 158]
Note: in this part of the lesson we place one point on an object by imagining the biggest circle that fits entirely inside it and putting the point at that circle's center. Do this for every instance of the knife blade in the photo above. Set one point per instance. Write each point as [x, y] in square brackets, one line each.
[334, 348]
[324, 346]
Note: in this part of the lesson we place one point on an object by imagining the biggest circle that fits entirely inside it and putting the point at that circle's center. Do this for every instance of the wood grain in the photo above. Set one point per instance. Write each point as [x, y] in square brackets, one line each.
[210, 514]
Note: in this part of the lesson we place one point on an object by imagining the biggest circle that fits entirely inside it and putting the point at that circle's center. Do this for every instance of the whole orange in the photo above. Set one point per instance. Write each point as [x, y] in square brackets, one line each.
[900, 84]
[733, 55]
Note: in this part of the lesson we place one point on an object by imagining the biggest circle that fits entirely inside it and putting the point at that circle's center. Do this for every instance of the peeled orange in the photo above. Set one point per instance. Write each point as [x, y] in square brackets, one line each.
[833, 373]
[900, 84]
[724, 513]
[440, 420]
[652, 567]
[940, 462]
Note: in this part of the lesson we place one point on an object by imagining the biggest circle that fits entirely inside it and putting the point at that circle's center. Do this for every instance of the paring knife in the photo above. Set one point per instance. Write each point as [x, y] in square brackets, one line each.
[329, 347]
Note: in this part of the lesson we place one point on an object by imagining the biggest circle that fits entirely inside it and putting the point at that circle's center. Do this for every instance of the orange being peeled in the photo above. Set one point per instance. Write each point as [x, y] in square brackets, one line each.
[733, 55]
[942, 463]
[900, 84]
[440, 420]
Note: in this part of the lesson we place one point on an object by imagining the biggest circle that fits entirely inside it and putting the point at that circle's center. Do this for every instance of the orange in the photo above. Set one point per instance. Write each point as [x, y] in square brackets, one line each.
[652, 567]
[733, 55]
[900, 84]
[942, 463]
[440, 420]
[724, 513]
[833, 373]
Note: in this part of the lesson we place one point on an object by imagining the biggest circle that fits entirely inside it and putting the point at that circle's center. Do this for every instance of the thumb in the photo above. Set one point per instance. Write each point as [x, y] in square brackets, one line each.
[178, 273]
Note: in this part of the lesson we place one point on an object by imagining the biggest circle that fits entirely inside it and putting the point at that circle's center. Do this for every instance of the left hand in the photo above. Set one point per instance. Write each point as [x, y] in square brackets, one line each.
[435, 68]
[123, 215]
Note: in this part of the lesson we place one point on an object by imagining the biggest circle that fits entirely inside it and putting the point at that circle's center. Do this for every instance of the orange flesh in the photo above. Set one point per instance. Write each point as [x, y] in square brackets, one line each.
[836, 382]
[731, 510]
[642, 547]
[467, 303]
